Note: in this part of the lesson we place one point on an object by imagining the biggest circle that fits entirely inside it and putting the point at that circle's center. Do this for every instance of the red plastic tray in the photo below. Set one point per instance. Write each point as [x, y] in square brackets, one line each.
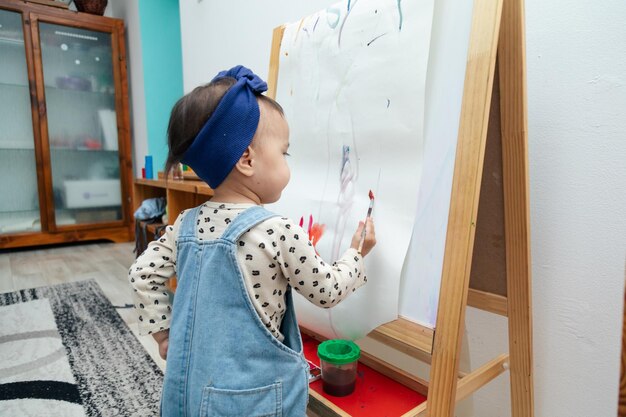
[374, 395]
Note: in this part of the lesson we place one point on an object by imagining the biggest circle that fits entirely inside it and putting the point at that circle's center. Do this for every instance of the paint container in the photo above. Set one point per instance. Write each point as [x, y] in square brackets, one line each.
[148, 166]
[339, 359]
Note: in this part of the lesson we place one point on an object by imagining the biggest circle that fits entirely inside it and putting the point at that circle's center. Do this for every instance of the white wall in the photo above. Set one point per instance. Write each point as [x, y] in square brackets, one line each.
[217, 35]
[576, 60]
[577, 149]
[128, 10]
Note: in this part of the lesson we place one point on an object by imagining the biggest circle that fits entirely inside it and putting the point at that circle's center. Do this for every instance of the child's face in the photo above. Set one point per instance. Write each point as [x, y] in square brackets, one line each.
[271, 173]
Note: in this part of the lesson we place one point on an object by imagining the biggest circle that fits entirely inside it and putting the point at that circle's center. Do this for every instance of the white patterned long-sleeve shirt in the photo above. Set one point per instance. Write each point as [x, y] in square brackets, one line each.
[273, 254]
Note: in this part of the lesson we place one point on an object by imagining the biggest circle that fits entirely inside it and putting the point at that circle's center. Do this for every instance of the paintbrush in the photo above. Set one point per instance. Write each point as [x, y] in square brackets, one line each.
[369, 214]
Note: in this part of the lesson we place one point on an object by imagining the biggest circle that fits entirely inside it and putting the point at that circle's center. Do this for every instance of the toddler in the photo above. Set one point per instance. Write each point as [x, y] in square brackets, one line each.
[231, 339]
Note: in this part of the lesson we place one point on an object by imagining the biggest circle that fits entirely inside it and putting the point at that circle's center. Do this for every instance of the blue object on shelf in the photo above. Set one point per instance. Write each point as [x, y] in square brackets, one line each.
[149, 174]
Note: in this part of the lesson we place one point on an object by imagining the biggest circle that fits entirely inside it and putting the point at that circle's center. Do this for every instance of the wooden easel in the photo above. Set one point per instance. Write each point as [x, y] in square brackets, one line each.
[493, 276]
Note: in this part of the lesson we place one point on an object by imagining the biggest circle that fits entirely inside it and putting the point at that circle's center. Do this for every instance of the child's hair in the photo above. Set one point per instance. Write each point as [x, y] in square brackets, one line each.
[192, 111]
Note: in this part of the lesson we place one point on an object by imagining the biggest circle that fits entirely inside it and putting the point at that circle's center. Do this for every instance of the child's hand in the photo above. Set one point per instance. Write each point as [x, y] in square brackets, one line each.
[162, 338]
[370, 237]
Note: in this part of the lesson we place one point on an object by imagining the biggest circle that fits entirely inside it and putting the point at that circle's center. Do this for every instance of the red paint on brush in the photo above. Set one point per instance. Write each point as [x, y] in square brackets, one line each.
[371, 195]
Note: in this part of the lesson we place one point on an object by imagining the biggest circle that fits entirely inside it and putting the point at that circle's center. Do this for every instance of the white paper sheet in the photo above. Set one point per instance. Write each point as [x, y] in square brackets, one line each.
[352, 81]
[419, 289]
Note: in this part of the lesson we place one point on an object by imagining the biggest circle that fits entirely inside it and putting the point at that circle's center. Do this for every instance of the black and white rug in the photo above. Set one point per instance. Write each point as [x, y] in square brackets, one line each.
[65, 351]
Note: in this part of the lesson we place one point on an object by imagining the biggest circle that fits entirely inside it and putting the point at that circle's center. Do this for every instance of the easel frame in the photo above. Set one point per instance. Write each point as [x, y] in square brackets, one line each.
[497, 35]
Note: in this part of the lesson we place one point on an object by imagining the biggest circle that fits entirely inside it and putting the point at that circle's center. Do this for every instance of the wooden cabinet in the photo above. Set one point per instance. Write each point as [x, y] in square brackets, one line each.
[65, 153]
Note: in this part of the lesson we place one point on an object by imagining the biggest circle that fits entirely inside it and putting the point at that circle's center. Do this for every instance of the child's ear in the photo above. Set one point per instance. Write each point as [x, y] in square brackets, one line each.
[246, 163]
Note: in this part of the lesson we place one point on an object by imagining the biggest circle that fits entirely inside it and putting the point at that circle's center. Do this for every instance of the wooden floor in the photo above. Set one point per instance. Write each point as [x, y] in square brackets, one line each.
[107, 263]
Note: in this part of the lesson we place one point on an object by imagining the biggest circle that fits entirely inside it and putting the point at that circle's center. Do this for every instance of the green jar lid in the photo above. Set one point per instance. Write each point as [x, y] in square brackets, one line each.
[338, 352]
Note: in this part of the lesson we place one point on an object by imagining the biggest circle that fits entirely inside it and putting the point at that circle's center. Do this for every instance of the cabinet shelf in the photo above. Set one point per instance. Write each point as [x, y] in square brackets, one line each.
[12, 42]
[54, 89]
[11, 147]
[54, 149]
[19, 220]
[3, 84]
[18, 148]
[19, 212]
[188, 186]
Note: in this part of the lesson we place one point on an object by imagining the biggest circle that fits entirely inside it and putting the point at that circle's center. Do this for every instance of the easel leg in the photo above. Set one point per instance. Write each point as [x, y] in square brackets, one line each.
[512, 72]
[466, 185]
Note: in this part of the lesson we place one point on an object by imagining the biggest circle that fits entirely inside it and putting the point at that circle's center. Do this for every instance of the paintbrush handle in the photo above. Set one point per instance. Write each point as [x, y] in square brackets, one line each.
[369, 214]
[362, 240]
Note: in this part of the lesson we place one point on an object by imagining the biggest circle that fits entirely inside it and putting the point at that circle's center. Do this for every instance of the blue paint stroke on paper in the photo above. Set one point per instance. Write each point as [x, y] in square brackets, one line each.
[345, 159]
[400, 13]
[333, 11]
[343, 23]
[370, 42]
[345, 199]
[348, 5]
[388, 103]
[315, 25]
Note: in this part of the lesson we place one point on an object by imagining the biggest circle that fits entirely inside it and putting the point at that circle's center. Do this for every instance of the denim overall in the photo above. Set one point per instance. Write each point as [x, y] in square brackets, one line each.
[221, 359]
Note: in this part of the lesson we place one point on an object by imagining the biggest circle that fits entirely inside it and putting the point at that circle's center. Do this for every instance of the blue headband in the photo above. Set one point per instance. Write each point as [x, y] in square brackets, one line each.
[229, 131]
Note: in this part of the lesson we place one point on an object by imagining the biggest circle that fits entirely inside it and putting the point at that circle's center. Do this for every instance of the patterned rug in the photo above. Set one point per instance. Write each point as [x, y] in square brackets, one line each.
[65, 351]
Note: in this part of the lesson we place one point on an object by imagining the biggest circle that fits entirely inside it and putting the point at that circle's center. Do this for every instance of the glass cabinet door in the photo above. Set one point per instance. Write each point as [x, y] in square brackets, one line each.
[82, 124]
[19, 196]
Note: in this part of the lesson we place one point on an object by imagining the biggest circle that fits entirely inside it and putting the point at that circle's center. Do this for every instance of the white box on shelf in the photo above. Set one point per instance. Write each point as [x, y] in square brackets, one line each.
[108, 123]
[92, 193]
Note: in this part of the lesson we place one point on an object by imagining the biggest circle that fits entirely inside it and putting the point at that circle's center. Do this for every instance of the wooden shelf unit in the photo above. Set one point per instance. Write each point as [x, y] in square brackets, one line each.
[179, 194]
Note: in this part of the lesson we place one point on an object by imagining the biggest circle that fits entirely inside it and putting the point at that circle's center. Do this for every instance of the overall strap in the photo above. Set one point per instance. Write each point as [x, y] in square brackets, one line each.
[245, 221]
[188, 226]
